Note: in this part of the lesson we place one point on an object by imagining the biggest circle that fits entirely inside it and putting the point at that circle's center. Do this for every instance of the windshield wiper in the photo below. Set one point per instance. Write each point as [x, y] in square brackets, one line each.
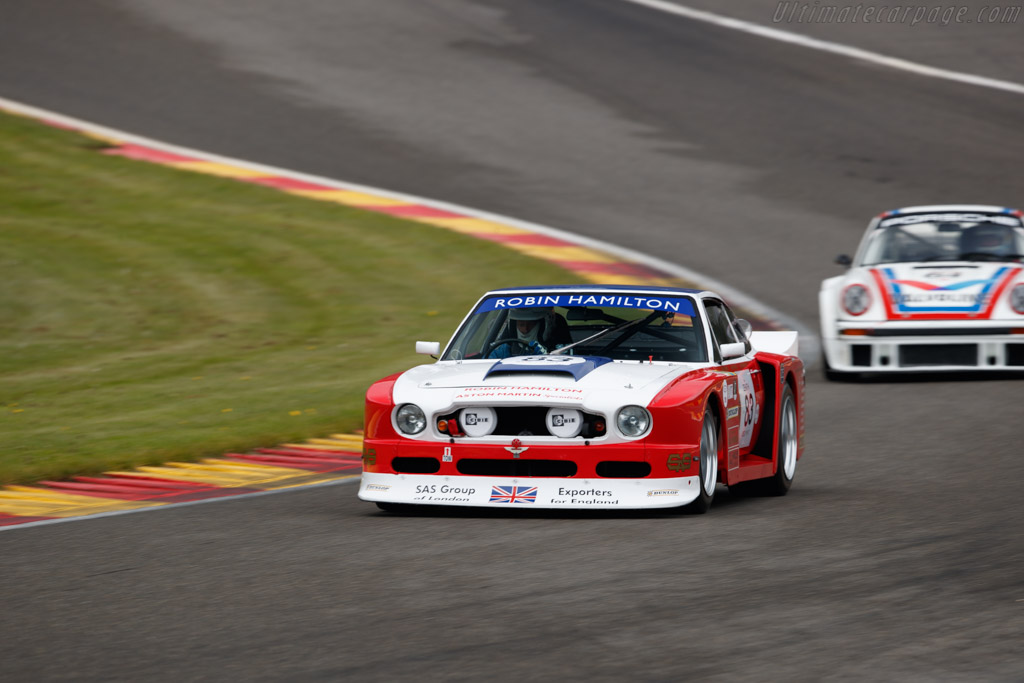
[621, 326]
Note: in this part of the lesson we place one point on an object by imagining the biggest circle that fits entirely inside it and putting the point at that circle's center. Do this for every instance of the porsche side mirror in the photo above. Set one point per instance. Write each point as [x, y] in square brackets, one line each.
[733, 350]
[428, 348]
[844, 260]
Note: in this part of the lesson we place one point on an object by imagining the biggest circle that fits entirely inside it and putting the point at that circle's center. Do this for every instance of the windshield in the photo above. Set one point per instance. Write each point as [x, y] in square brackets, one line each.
[623, 326]
[930, 238]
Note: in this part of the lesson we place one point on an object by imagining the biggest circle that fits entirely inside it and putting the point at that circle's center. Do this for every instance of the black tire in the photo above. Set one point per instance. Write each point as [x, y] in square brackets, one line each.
[830, 374]
[786, 448]
[709, 449]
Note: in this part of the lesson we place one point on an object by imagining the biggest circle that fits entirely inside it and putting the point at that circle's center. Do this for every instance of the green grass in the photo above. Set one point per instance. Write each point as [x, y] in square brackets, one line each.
[149, 314]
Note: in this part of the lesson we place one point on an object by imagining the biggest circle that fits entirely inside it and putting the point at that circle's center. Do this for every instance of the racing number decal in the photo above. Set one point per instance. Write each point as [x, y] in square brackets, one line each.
[748, 407]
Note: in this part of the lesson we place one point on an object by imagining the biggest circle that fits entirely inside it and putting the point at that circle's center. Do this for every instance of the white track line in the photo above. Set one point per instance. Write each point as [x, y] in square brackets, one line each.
[809, 344]
[829, 46]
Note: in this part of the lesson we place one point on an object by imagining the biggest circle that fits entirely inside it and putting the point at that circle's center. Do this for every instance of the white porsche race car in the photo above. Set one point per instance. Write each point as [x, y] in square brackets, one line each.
[931, 288]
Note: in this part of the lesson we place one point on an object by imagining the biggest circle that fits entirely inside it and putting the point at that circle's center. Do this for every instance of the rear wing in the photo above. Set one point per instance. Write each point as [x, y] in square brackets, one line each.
[782, 343]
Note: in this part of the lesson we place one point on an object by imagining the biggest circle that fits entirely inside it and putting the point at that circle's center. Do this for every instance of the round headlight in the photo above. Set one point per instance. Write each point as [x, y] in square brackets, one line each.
[856, 299]
[633, 421]
[1017, 299]
[478, 422]
[564, 422]
[410, 419]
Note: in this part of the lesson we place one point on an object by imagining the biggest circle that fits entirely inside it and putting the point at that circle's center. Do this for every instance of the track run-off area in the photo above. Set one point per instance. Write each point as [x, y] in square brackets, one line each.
[746, 159]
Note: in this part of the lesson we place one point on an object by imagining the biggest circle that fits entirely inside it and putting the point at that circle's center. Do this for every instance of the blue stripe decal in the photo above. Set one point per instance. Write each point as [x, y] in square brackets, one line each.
[577, 366]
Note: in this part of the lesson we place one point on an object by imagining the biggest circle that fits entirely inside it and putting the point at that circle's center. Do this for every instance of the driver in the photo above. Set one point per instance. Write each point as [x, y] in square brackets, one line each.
[529, 327]
[987, 239]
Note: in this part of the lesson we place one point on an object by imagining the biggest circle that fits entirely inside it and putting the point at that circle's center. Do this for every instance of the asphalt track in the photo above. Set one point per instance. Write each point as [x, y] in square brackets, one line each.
[897, 555]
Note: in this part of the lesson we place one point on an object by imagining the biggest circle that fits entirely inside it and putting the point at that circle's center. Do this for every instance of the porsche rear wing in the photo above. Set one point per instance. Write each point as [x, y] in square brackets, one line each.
[782, 343]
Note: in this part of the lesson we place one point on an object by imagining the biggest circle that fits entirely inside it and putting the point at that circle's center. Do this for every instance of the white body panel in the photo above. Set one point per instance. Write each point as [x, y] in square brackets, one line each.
[597, 494]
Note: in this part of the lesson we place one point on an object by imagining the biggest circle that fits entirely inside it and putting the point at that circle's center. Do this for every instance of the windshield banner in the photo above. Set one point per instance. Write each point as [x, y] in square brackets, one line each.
[648, 302]
[914, 218]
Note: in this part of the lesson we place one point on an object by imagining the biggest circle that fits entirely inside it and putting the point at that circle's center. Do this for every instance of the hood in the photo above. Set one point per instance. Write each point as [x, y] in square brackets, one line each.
[965, 289]
[576, 367]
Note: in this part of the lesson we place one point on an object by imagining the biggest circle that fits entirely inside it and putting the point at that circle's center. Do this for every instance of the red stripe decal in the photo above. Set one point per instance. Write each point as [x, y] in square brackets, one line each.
[885, 294]
[999, 290]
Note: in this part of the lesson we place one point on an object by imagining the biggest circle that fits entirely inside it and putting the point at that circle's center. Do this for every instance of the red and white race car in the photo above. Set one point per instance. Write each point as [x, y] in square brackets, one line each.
[932, 288]
[589, 397]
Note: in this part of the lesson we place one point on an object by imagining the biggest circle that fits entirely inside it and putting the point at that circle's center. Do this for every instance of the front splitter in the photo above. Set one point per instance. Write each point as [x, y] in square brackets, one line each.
[528, 492]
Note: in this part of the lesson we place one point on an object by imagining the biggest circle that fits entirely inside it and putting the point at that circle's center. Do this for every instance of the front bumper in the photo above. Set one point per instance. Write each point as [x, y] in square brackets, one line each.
[528, 492]
[889, 349]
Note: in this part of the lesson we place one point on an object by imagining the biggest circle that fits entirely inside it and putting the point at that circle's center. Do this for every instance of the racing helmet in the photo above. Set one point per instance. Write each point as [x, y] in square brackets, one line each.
[987, 239]
[536, 313]
[537, 317]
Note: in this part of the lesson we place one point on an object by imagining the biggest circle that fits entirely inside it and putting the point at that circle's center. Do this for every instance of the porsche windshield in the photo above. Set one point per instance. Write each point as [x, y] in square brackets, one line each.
[621, 326]
[945, 237]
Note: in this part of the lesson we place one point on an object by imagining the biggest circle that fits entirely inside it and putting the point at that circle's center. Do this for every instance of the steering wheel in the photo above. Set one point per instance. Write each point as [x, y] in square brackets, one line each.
[507, 340]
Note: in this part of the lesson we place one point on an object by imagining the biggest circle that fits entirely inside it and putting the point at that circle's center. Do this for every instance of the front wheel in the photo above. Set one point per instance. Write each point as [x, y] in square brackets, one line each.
[837, 375]
[826, 369]
[708, 465]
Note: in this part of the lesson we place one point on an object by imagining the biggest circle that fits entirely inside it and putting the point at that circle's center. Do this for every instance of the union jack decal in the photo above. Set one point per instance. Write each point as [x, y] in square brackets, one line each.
[519, 495]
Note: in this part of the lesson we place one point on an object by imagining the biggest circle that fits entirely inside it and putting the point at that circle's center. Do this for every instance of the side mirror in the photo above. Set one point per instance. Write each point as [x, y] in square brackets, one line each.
[844, 260]
[733, 350]
[428, 348]
[743, 327]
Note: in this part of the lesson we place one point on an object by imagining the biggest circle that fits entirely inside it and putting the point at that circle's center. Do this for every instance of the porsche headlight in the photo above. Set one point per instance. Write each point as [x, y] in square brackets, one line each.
[410, 419]
[633, 421]
[856, 299]
[1017, 299]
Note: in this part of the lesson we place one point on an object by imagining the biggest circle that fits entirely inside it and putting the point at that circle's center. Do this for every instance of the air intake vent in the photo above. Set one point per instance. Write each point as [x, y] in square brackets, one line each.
[931, 355]
[861, 355]
[614, 469]
[416, 465]
[516, 468]
[1015, 354]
